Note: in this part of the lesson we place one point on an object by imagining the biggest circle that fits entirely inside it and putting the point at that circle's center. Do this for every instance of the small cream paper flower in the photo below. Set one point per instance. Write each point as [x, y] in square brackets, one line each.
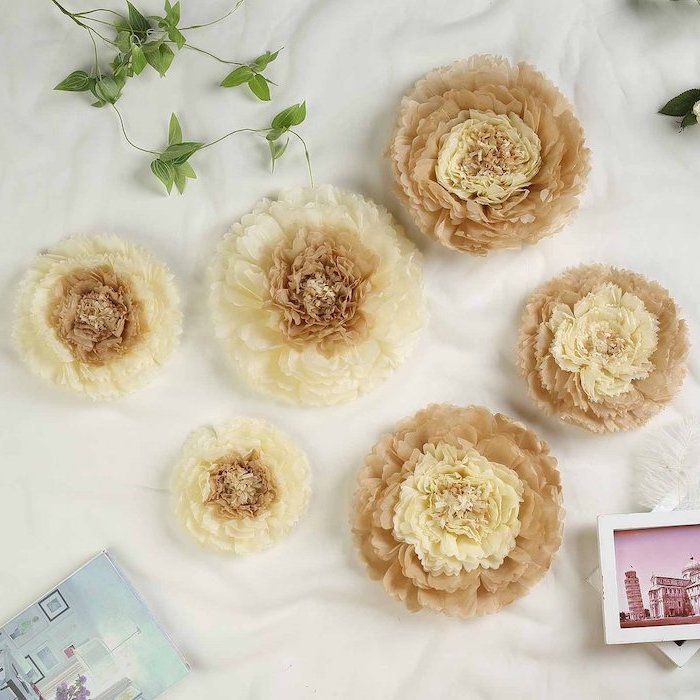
[317, 296]
[240, 485]
[98, 315]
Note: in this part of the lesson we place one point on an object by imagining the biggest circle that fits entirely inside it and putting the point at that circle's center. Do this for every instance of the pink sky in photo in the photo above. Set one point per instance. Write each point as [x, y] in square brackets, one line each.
[659, 550]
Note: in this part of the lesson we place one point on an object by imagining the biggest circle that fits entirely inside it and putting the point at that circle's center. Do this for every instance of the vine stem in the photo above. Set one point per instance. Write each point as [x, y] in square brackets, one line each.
[209, 24]
[211, 55]
[231, 133]
[306, 154]
[74, 17]
[126, 136]
[100, 9]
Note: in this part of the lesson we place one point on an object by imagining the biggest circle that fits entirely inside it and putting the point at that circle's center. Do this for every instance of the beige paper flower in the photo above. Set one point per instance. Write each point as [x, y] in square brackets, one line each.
[97, 314]
[602, 348]
[488, 155]
[458, 510]
[240, 485]
[317, 296]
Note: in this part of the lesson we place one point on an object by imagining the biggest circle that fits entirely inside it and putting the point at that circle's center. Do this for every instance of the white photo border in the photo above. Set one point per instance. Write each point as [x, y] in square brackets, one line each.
[607, 525]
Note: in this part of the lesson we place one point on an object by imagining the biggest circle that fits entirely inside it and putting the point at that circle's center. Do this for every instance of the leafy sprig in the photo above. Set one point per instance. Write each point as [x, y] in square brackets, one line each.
[686, 106]
[172, 167]
[252, 75]
[141, 41]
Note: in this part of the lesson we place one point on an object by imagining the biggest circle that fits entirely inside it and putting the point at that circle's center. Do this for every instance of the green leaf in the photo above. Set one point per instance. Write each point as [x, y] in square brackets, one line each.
[165, 172]
[136, 20]
[680, 105]
[180, 180]
[277, 149]
[138, 59]
[688, 120]
[158, 55]
[274, 134]
[107, 89]
[187, 170]
[178, 153]
[174, 130]
[241, 75]
[77, 81]
[259, 87]
[123, 40]
[292, 116]
[176, 36]
[121, 66]
[172, 13]
[263, 61]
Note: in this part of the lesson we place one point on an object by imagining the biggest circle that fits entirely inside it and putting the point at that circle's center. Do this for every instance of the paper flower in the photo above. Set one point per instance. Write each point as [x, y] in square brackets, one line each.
[97, 314]
[317, 296]
[602, 348]
[458, 510]
[240, 485]
[488, 155]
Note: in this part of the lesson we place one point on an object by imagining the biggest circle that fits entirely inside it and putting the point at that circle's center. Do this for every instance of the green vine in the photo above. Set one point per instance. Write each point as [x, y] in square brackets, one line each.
[140, 41]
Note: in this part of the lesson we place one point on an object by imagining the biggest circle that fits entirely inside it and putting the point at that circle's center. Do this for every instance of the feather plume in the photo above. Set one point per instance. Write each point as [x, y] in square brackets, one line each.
[668, 474]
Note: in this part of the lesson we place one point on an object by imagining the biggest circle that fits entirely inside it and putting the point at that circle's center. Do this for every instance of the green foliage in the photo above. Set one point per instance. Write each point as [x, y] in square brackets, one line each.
[141, 41]
[252, 75]
[682, 106]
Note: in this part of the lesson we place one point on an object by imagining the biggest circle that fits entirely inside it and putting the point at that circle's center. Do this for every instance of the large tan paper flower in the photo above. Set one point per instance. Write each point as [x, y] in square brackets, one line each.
[602, 348]
[488, 155]
[240, 485]
[317, 296]
[458, 510]
[97, 314]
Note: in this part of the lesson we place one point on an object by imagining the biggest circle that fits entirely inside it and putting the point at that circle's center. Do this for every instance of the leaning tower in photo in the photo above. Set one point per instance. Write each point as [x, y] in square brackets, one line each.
[635, 604]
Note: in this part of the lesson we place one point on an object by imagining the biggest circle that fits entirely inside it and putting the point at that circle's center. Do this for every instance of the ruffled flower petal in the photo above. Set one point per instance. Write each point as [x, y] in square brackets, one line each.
[317, 296]
[98, 315]
[458, 510]
[488, 155]
[240, 485]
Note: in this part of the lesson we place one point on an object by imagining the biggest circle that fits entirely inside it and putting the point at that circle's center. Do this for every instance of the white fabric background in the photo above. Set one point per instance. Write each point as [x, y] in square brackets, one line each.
[302, 620]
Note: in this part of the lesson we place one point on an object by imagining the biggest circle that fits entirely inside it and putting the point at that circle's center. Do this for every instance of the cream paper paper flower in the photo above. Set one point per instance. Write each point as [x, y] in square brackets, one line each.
[97, 314]
[488, 155]
[607, 339]
[458, 510]
[602, 347]
[489, 158]
[317, 296]
[240, 485]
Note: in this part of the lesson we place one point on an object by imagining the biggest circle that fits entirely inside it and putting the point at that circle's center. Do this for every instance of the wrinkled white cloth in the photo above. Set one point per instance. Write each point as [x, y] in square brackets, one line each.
[302, 620]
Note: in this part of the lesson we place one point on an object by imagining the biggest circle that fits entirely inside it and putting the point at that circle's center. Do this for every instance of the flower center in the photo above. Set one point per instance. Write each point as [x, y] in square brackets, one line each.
[319, 294]
[457, 500]
[489, 158]
[319, 282]
[493, 152]
[101, 313]
[240, 486]
[605, 345]
[96, 315]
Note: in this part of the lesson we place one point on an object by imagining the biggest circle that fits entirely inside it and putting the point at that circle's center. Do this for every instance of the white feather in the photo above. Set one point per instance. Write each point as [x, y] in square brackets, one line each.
[669, 467]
